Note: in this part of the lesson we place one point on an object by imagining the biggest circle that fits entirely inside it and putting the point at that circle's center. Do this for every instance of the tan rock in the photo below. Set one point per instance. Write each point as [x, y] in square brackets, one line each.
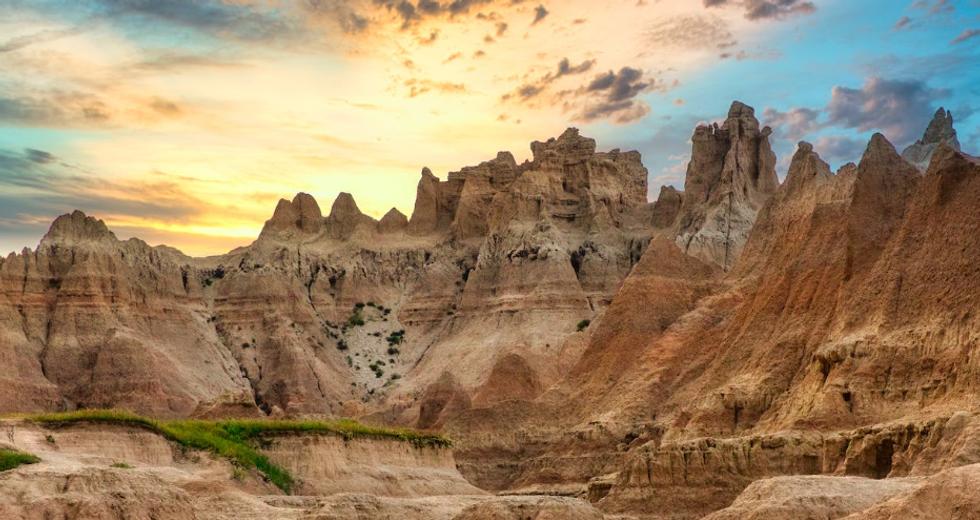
[731, 174]
[393, 222]
[939, 131]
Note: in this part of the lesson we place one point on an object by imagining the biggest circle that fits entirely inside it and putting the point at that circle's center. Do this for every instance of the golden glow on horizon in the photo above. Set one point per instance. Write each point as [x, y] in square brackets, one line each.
[220, 141]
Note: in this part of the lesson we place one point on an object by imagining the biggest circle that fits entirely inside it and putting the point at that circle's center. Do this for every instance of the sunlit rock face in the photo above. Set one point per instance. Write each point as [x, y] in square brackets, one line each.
[731, 174]
[656, 358]
[283, 326]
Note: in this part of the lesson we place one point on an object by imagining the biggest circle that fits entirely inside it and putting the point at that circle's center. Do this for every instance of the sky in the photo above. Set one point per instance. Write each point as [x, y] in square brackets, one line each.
[183, 122]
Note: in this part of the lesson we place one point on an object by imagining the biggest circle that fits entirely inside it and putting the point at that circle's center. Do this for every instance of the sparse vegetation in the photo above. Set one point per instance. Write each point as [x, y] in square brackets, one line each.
[341, 345]
[122, 465]
[208, 282]
[583, 324]
[231, 439]
[50, 439]
[356, 320]
[10, 459]
[393, 351]
[395, 338]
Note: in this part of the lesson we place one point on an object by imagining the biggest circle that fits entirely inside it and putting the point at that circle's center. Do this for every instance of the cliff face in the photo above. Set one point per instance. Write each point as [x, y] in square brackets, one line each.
[731, 174]
[571, 337]
[839, 344]
[335, 314]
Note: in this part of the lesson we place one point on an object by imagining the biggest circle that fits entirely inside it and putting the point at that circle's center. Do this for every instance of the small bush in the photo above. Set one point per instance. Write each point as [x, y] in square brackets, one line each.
[10, 459]
[356, 321]
[50, 439]
[208, 282]
[393, 351]
[245, 344]
[583, 324]
[341, 345]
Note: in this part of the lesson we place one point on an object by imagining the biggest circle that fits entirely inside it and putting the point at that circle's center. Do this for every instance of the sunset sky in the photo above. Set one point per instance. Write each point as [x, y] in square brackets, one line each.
[184, 121]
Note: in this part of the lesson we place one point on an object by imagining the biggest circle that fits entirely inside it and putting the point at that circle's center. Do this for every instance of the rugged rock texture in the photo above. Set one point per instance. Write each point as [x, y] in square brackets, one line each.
[657, 359]
[792, 498]
[301, 216]
[731, 174]
[90, 321]
[393, 222]
[950, 494]
[940, 131]
[339, 314]
[839, 344]
[355, 478]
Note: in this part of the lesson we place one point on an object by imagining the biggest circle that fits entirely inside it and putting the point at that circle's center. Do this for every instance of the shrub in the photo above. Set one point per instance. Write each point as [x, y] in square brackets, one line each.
[393, 351]
[583, 324]
[122, 465]
[50, 439]
[10, 459]
[208, 282]
[356, 320]
[341, 345]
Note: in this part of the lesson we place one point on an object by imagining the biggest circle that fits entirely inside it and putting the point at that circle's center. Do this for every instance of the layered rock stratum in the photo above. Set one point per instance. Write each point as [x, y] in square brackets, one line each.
[744, 348]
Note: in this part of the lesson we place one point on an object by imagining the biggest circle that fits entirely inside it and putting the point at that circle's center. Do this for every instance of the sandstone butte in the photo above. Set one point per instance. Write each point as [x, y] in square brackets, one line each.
[744, 349]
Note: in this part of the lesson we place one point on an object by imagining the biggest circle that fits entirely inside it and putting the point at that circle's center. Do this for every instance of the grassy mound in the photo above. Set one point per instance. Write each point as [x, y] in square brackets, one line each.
[11, 459]
[235, 439]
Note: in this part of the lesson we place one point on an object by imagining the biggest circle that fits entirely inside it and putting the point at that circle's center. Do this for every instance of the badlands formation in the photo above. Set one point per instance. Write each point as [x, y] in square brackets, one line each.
[744, 349]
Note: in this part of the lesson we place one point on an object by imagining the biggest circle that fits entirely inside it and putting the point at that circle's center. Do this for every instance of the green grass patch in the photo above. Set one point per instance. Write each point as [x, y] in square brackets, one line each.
[11, 459]
[122, 465]
[236, 439]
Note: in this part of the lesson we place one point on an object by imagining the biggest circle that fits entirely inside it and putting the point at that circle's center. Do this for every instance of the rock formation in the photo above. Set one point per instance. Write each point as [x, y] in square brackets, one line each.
[731, 174]
[393, 222]
[742, 348]
[940, 131]
[302, 215]
[826, 349]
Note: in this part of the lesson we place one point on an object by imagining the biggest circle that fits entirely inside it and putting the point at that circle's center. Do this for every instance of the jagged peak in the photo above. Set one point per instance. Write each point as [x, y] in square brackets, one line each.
[940, 128]
[739, 109]
[571, 146]
[302, 213]
[77, 227]
[939, 131]
[344, 206]
[879, 144]
[806, 169]
[393, 221]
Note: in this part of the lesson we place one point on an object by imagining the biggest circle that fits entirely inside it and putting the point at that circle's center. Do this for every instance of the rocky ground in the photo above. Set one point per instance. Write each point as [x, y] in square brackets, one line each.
[742, 349]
